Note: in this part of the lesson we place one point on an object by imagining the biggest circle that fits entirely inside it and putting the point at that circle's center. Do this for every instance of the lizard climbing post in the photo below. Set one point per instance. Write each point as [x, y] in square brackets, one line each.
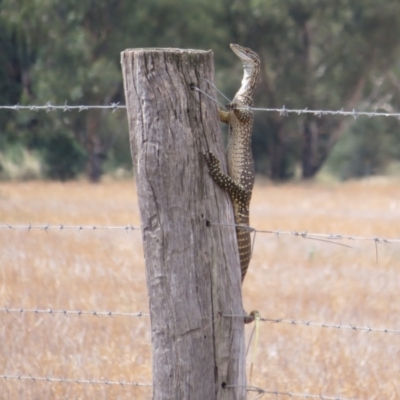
[239, 183]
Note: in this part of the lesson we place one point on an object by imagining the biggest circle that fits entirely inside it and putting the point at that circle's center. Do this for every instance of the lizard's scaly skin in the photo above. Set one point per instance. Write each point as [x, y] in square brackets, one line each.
[239, 182]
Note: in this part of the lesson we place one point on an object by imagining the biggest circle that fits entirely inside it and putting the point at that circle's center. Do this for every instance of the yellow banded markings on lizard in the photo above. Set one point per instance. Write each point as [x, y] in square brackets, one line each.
[240, 179]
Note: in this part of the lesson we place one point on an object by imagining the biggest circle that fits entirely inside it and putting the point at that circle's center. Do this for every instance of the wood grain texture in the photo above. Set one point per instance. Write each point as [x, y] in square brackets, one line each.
[193, 271]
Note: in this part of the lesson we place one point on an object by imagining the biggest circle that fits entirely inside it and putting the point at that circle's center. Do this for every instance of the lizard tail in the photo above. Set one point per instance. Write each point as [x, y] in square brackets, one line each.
[244, 246]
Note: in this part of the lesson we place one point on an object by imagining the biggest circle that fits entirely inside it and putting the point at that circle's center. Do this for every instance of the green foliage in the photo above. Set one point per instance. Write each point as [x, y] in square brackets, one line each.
[366, 149]
[17, 163]
[362, 152]
[63, 157]
[315, 54]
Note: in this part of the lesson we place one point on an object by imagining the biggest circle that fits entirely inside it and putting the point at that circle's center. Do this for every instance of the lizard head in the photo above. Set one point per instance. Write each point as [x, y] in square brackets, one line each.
[248, 57]
[251, 66]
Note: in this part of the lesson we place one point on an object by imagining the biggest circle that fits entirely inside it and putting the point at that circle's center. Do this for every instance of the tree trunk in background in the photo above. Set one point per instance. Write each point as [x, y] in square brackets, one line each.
[94, 147]
[320, 134]
[277, 153]
[193, 272]
[310, 164]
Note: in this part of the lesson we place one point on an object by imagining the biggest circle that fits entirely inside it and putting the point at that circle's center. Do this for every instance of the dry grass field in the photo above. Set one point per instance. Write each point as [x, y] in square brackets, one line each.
[289, 277]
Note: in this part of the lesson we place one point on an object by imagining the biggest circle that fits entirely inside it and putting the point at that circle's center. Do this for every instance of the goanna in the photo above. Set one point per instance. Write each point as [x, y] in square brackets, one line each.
[239, 183]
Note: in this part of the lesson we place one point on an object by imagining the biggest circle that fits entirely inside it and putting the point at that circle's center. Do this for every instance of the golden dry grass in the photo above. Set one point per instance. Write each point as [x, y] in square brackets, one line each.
[289, 277]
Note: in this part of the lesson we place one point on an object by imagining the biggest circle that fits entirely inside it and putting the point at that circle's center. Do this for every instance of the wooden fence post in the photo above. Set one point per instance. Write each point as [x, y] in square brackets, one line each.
[193, 274]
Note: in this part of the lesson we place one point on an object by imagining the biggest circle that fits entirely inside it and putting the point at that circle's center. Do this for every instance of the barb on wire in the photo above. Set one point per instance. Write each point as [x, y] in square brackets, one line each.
[262, 392]
[48, 107]
[50, 311]
[61, 227]
[69, 380]
[320, 324]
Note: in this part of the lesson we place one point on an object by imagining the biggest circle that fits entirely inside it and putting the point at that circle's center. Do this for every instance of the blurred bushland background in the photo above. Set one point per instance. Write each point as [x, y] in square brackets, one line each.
[318, 54]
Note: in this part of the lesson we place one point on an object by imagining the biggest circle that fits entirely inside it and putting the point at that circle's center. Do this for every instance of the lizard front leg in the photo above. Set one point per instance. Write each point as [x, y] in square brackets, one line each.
[237, 192]
[223, 116]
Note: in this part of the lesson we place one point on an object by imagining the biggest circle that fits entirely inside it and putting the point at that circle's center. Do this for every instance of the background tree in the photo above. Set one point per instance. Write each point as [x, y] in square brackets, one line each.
[315, 53]
[72, 53]
[70, 45]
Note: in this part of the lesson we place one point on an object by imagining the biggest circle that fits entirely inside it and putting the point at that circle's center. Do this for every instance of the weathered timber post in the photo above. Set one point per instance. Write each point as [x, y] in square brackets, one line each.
[193, 273]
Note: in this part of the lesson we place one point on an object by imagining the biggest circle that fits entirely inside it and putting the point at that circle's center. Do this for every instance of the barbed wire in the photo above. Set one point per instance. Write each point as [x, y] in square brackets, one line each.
[61, 227]
[310, 235]
[48, 107]
[69, 380]
[128, 228]
[320, 324]
[262, 392]
[50, 311]
[139, 314]
[299, 111]
[322, 237]
[137, 384]
[319, 113]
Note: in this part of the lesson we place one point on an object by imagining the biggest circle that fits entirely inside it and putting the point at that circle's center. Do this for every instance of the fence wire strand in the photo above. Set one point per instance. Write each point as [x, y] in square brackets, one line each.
[283, 111]
[322, 237]
[319, 113]
[49, 107]
[69, 380]
[50, 311]
[296, 322]
[63, 227]
[123, 383]
[262, 392]
[332, 237]
[140, 314]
